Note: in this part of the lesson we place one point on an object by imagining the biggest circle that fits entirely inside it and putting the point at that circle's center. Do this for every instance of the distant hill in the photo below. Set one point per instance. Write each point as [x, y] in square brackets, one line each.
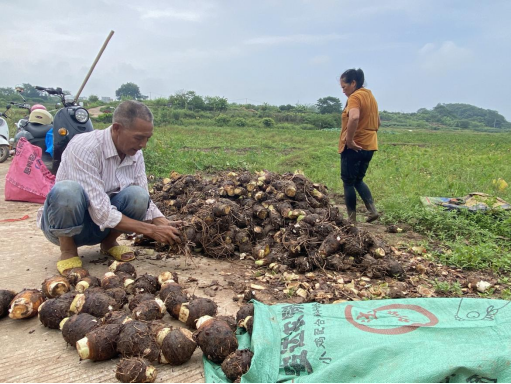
[462, 116]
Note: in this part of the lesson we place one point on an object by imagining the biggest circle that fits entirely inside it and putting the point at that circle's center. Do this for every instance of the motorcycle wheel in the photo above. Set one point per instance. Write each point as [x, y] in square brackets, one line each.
[4, 153]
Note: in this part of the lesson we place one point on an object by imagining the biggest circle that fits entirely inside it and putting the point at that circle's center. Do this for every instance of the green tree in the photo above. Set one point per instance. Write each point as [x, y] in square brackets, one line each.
[93, 98]
[216, 103]
[181, 99]
[197, 103]
[329, 104]
[287, 107]
[8, 92]
[129, 91]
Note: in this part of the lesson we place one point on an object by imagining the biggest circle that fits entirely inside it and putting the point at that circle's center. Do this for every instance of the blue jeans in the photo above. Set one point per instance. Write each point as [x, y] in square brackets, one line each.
[66, 212]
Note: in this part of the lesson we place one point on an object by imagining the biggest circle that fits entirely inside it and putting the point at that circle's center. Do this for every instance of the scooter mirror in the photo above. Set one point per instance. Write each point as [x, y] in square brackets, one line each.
[58, 105]
[19, 88]
[8, 106]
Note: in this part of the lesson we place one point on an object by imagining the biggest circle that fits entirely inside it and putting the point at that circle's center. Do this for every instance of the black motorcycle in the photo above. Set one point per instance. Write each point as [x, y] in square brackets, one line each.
[70, 120]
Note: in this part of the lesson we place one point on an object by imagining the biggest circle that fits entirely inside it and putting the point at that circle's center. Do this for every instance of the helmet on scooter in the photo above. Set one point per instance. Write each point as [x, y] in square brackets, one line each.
[37, 106]
[40, 116]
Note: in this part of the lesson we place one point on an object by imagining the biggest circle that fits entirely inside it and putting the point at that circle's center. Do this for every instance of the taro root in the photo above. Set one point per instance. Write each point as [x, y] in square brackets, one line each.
[260, 251]
[55, 286]
[100, 343]
[135, 370]
[96, 303]
[173, 303]
[168, 287]
[167, 276]
[76, 327]
[353, 248]
[220, 209]
[303, 264]
[289, 188]
[190, 312]
[330, 245]
[25, 304]
[259, 211]
[272, 257]
[395, 269]
[237, 364]
[245, 311]
[76, 274]
[149, 310]
[86, 283]
[119, 295]
[229, 320]
[127, 281]
[111, 280]
[6, 297]
[215, 338]
[137, 299]
[116, 317]
[123, 266]
[248, 324]
[53, 311]
[159, 329]
[177, 347]
[136, 339]
[146, 284]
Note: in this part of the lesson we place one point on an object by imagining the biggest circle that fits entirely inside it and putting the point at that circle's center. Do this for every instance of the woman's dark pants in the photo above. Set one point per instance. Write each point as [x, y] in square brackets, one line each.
[353, 170]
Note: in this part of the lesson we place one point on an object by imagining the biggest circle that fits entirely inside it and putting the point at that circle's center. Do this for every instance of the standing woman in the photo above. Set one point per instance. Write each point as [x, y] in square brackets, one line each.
[358, 141]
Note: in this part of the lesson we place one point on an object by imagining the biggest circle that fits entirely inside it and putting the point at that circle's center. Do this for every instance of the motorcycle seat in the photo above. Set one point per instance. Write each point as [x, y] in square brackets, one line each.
[38, 130]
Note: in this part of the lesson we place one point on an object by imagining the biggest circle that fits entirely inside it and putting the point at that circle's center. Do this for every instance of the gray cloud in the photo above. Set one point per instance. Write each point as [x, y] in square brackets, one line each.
[415, 53]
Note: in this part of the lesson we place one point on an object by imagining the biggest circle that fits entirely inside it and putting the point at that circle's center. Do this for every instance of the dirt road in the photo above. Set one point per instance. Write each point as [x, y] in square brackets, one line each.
[31, 353]
[94, 112]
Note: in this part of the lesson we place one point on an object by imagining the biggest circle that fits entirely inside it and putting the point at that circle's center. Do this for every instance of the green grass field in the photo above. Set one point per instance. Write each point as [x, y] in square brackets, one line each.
[408, 165]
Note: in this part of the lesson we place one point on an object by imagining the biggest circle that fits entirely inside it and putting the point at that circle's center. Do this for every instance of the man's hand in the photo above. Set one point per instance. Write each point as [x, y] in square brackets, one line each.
[166, 231]
[164, 221]
[353, 145]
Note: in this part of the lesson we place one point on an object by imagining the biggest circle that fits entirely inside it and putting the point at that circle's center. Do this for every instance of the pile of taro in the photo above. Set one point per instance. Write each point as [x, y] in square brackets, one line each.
[278, 220]
[123, 314]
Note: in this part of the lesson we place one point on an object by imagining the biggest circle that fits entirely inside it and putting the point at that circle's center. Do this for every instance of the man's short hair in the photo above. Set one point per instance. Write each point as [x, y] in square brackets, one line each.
[129, 110]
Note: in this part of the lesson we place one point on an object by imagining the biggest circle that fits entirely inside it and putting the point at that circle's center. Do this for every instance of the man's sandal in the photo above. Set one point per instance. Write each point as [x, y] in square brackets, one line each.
[117, 251]
[64, 265]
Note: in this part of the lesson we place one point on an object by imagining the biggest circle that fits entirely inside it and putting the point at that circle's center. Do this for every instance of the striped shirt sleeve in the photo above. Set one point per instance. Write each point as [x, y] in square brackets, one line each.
[141, 180]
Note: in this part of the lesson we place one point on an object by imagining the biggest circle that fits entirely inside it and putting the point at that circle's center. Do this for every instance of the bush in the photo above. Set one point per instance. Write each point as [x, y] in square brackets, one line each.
[104, 118]
[240, 122]
[322, 121]
[268, 122]
[222, 120]
[176, 115]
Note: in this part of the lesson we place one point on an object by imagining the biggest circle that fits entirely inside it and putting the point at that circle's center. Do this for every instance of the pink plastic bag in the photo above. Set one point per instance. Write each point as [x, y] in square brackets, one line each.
[28, 179]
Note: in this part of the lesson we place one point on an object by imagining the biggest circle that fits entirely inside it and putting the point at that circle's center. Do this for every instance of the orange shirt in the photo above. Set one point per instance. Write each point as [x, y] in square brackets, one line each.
[365, 135]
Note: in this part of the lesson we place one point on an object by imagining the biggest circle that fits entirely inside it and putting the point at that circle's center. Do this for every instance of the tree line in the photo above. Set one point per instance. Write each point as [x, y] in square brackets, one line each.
[325, 113]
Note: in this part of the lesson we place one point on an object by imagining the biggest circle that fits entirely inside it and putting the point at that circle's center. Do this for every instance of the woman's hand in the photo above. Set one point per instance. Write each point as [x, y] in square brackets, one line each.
[352, 145]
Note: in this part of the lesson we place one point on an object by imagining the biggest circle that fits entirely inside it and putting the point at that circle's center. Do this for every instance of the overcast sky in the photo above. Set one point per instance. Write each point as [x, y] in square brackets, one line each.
[415, 54]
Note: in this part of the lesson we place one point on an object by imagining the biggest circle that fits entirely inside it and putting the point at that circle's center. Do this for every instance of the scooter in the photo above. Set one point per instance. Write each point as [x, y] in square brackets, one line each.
[5, 145]
[70, 120]
[6, 142]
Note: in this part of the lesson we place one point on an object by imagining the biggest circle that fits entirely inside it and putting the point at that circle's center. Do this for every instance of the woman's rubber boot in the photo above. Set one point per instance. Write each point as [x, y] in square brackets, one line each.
[373, 213]
[352, 217]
